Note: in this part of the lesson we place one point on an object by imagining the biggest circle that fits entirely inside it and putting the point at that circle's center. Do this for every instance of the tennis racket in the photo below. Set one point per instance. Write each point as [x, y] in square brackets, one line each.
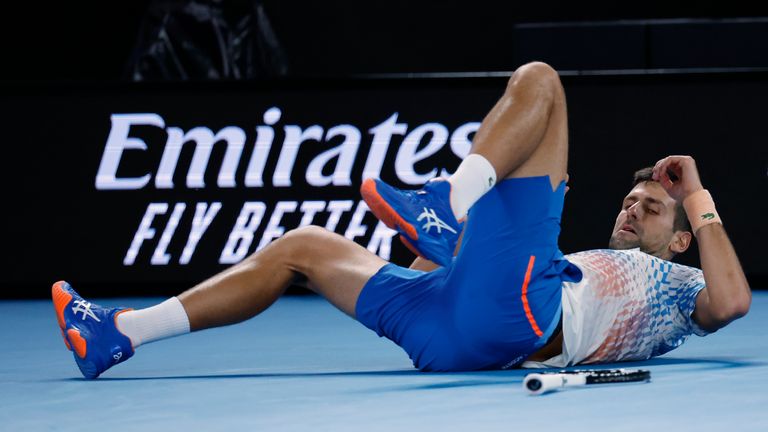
[539, 383]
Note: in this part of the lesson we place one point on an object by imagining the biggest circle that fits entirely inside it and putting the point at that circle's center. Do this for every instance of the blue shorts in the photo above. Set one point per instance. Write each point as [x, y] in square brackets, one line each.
[500, 299]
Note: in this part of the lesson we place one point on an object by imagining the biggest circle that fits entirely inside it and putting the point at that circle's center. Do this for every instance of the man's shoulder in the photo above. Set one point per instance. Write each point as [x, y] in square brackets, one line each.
[632, 259]
[634, 253]
[617, 253]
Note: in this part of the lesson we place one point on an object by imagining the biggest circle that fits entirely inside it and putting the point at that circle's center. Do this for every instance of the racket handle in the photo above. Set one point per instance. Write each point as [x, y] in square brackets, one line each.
[537, 384]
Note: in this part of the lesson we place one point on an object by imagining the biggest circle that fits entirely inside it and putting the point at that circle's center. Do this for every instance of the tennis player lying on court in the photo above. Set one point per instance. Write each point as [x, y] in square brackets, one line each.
[508, 297]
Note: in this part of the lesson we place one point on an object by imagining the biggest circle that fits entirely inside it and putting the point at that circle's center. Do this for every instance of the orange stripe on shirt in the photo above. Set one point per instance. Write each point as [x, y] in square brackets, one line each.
[526, 306]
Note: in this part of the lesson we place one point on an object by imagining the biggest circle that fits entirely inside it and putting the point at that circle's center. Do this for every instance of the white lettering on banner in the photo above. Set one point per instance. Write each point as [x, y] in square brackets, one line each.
[356, 227]
[243, 232]
[344, 156]
[274, 229]
[461, 143]
[117, 142]
[203, 139]
[310, 209]
[145, 231]
[161, 257]
[203, 217]
[241, 237]
[336, 208]
[407, 155]
[264, 136]
[335, 153]
[382, 135]
[381, 240]
[294, 136]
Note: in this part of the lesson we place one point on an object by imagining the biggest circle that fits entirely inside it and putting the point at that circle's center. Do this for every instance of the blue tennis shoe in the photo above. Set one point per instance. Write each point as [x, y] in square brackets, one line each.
[423, 217]
[90, 331]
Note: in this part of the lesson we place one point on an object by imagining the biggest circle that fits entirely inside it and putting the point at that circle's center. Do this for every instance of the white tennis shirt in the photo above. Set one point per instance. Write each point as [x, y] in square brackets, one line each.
[628, 306]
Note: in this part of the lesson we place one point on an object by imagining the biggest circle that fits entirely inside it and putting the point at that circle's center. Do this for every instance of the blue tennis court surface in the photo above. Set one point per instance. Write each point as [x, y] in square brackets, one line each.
[302, 365]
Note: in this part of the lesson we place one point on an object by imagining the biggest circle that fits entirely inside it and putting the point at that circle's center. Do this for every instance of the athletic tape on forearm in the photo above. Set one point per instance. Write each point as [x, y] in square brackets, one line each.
[700, 208]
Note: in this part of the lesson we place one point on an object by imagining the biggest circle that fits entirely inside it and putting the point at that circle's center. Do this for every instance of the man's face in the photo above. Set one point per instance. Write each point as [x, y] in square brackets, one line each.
[646, 220]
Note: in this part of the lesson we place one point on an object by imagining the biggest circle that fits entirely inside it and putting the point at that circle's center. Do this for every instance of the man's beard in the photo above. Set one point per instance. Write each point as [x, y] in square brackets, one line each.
[623, 244]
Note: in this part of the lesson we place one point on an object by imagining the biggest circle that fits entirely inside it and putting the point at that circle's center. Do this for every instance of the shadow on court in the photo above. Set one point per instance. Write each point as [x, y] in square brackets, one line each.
[480, 378]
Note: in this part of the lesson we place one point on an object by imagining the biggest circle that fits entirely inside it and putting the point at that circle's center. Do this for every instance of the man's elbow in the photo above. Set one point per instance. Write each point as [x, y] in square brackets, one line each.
[728, 316]
[734, 310]
[741, 308]
[744, 302]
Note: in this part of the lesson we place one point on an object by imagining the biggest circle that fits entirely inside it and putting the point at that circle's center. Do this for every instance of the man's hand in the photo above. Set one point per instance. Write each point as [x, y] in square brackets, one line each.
[678, 175]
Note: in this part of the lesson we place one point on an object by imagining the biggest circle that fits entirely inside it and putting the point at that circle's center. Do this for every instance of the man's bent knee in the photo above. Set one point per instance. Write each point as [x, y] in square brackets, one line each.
[304, 238]
[295, 243]
[538, 74]
[308, 232]
[536, 70]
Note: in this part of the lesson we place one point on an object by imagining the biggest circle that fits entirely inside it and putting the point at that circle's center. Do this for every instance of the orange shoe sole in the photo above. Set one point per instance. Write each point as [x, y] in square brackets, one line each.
[384, 211]
[72, 338]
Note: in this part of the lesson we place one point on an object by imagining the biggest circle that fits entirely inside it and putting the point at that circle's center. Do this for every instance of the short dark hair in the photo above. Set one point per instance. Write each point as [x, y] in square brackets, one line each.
[681, 218]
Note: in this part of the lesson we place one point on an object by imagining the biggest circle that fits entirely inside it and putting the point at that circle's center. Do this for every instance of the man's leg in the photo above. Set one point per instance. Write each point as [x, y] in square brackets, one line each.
[335, 267]
[524, 135]
[526, 132]
[507, 277]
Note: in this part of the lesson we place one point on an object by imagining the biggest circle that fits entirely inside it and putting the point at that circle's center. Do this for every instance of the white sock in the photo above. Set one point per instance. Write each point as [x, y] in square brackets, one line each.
[161, 321]
[474, 177]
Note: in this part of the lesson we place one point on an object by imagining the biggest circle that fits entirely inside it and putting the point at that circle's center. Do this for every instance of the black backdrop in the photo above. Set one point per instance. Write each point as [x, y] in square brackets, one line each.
[87, 41]
[60, 226]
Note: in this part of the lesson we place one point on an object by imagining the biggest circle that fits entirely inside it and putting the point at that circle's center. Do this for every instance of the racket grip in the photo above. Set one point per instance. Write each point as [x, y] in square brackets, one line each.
[537, 384]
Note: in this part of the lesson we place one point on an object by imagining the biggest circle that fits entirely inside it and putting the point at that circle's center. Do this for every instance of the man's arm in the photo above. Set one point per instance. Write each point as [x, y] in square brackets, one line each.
[727, 296]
